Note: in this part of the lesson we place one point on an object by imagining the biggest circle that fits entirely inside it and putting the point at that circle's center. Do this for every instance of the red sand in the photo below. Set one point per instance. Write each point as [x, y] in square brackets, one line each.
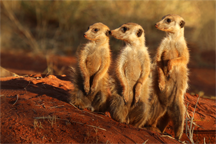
[46, 97]
[200, 79]
[34, 109]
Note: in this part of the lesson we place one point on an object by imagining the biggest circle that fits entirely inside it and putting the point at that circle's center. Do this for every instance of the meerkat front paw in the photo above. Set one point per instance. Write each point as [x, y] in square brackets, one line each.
[137, 96]
[138, 92]
[125, 94]
[169, 66]
[93, 88]
[153, 129]
[161, 85]
[86, 87]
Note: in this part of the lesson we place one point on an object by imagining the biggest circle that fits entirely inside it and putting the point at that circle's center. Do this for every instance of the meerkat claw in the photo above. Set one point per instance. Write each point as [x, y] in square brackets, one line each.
[86, 88]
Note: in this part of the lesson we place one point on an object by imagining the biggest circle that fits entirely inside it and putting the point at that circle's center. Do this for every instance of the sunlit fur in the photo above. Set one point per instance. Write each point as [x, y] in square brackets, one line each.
[91, 81]
[129, 99]
[170, 77]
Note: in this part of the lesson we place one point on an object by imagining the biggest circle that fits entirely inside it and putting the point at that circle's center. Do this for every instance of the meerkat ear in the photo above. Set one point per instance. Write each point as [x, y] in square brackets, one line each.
[139, 32]
[182, 23]
[108, 33]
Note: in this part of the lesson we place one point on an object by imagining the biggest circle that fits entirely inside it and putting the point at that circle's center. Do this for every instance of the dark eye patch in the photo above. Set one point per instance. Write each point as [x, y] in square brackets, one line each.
[108, 32]
[182, 23]
[88, 28]
[124, 29]
[168, 20]
[96, 30]
[139, 33]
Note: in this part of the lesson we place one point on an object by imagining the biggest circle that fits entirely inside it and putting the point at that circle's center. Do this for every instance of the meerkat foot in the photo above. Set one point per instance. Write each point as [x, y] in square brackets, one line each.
[127, 120]
[91, 108]
[153, 129]
[161, 85]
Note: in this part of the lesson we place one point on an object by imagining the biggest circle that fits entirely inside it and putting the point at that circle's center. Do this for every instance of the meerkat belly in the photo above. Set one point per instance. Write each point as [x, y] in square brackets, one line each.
[168, 55]
[133, 71]
[93, 64]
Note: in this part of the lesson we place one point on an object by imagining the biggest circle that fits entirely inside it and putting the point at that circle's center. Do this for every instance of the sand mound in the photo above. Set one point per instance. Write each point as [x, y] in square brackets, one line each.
[34, 109]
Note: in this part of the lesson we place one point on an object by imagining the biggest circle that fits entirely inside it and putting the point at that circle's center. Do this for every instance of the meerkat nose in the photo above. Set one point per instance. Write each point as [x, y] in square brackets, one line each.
[111, 32]
[156, 25]
[84, 35]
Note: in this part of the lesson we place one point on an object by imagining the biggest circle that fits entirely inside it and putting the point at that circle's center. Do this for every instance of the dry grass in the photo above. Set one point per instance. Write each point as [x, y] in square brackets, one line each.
[190, 128]
[37, 124]
[56, 27]
[51, 119]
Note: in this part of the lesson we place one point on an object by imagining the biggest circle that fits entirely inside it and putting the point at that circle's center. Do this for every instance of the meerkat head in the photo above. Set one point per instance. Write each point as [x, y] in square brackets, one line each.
[171, 23]
[129, 32]
[97, 31]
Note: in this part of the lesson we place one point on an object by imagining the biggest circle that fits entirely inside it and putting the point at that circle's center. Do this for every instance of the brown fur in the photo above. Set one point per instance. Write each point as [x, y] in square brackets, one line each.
[129, 100]
[170, 77]
[91, 74]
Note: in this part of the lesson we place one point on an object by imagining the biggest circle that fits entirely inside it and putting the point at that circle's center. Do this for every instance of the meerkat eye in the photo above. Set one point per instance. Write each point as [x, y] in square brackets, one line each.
[168, 20]
[88, 28]
[96, 30]
[124, 29]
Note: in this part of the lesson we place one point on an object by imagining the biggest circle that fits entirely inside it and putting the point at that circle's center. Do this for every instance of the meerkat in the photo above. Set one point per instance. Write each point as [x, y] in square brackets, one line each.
[170, 77]
[91, 75]
[129, 98]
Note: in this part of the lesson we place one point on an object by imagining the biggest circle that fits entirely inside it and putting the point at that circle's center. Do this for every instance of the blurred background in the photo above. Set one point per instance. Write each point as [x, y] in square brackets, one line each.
[43, 36]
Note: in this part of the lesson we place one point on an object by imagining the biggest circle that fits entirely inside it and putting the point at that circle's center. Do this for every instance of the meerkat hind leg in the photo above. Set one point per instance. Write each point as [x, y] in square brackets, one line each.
[118, 109]
[99, 102]
[139, 114]
[159, 113]
[163, 122]
[78, 99]
[177, 116]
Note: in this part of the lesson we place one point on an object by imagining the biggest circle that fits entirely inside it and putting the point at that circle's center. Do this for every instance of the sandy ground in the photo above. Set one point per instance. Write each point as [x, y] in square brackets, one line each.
[34, 108]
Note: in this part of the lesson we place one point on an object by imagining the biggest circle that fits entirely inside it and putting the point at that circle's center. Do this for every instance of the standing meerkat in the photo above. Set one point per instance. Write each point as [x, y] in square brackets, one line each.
[129, 100]
[91, 75]
[171, 76]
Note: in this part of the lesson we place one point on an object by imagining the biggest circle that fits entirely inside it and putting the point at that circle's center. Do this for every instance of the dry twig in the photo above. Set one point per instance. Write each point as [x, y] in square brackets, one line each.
[16, 99]
[145, 141]
[72, 121]
[190, 129]
[85, 111]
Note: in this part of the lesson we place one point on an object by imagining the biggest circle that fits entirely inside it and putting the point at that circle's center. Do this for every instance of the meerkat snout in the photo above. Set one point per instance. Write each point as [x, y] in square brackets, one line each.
[84, 35]
[156, 25]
